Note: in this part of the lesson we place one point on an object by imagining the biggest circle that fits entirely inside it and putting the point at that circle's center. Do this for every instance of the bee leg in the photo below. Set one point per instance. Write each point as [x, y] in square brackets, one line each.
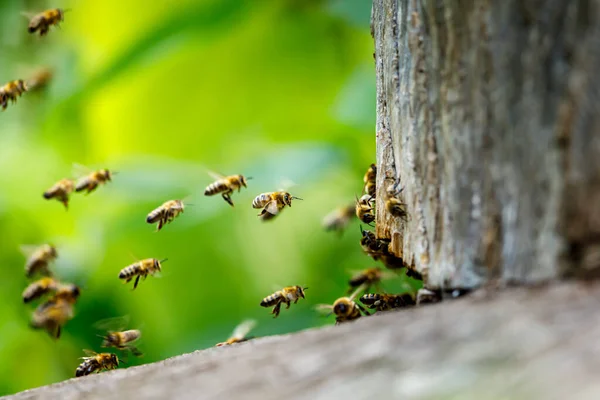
[135, 351]
[57, 332]
[227, 198]
[276, 310]
[136, 282]
[361, 308]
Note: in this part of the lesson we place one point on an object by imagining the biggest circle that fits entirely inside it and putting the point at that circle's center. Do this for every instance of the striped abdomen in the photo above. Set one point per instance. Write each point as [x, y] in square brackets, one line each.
[86, 183]
[155, 215]
[271, 300]
[370, 298]
[89, 365]
[61, 189]
[217, 187]
[131, 270]
[261, 200]
[38, 289]
[119, 339]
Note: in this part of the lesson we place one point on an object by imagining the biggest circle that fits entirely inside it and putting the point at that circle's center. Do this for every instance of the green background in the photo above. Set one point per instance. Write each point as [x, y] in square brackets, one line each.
[162, 91]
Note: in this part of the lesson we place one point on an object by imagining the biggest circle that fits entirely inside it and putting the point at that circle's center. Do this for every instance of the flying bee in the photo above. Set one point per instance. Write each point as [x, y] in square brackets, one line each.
[11, 91]
[96, 362]
[226, 185]
[122, 341]
[52, 316]
[60, 191]
[393, 204]
[166, 213]
[272, 203]
[142, 268]
[338, 219]
[66, 292]
[364, 209]
[43, 21]
[345, 308]
[39, 288]
[385, 302]
[285, 295]
[239, 333]
[370, 181]
[39, 259]
[90, 182]
[367, 278]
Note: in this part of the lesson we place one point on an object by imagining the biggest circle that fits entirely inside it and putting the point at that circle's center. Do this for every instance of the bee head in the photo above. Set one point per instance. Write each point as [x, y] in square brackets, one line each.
[244, 180]
[300, 291]
[75, 291]
[106, 173]
[114, 359]
[341, 307]
[157, 263]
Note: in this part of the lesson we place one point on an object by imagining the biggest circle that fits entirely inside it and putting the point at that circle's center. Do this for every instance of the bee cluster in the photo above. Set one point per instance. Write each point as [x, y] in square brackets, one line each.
[61, 297]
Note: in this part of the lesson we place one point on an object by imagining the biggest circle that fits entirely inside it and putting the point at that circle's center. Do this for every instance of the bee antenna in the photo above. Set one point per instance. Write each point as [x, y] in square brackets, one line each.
[296, 198]
[114, 172]
[305, 288]
[163, 260]
[189, 204]
[67, 10]
[249, 177]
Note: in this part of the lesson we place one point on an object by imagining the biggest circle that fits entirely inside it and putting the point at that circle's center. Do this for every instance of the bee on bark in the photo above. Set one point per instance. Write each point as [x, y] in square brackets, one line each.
[39, 288]
[165, 213]
[427, 296]
[60, 191]
[11, 91]
[117, 336]
[283, 296]
[378, 249]
[142, 268]
[385, 302]
[345, 308]
[226, 185]
[393, 204]
[43, 21]
[96, 362]
[239, 333]
[272, 203]
[39, 259]
[370, 180]
[338, 219]
[91, 181]
[364, 209]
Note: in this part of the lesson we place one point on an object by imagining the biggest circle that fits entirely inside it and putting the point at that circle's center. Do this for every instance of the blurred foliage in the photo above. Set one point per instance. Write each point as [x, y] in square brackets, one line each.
[163, 91]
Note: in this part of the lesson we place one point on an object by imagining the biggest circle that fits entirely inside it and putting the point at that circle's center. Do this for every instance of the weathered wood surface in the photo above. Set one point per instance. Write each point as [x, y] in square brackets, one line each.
[488, 113]
[516, 344]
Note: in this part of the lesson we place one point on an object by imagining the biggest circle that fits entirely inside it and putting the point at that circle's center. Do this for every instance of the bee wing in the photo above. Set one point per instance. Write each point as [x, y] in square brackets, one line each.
[285, 184]
[113, 324]
[29, 249]
[243, 328]
[89, 353]
[272, 207]
[326, 309]
[357, 291]
[80, 170]
[28, 14]
[215, 175]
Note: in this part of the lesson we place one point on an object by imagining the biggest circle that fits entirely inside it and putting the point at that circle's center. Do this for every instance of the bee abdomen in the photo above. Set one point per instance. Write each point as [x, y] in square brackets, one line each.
[270, 300]
[214, 188]
[49, 194]
[86, 368]
[128, 272]
[359, 280]
[369, 298]
[130, 336]
[154, 216]
[82, 185]
[260, 200]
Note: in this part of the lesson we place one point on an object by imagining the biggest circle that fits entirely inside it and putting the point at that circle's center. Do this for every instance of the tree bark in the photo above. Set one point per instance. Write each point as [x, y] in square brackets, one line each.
[487, 113]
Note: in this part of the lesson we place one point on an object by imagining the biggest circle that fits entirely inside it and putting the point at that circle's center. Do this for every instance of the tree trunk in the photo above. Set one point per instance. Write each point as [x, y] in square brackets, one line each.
[488, 116]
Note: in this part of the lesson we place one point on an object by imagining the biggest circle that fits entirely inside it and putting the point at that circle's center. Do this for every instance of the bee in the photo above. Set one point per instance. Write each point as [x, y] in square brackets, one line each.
[239, 333]
[91, 181]
[142, 268]
[39, 288]
[96, 362]
[226, 185]
[11, 91]
[122, 341]
[364, 209]
[384, 302]
[272, 203]
[165, 213]
[39, 259]
[52, 316]
[370, 181]
[338, 219]
[43, 21]
[345, 308]
[427, 296]
[285, 295]
[39, 79]
[66, 292]
[60, 191]
[378, 249]
[393, 204]
[367, 278]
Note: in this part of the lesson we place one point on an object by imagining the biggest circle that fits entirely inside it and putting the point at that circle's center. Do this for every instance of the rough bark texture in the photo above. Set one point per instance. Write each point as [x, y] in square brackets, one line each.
[517, 344]
[488, 115]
